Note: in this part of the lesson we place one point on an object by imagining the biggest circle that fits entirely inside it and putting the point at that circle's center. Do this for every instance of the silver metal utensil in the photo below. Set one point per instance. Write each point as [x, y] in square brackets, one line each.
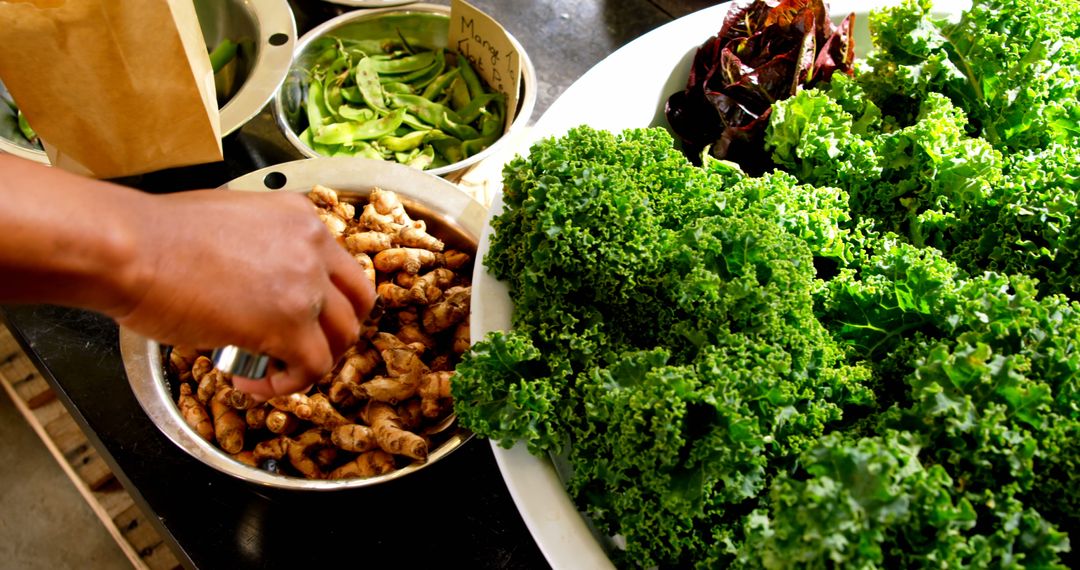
[239, 362]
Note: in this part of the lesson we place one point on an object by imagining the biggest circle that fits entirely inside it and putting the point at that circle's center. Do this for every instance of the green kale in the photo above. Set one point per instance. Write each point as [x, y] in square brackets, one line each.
[1008, 65]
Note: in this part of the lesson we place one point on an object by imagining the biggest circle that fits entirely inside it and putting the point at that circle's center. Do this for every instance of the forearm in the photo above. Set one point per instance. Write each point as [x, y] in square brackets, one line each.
[66, 239]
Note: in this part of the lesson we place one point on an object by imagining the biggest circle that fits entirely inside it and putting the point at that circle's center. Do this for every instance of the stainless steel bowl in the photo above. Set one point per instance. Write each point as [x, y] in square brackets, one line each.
[447, 210]
[430, 25]
[271, 29]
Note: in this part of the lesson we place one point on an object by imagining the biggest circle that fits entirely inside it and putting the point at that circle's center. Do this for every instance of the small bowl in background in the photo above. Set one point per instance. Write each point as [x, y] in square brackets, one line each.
[450, 214]
[265, 27]
[426, 26]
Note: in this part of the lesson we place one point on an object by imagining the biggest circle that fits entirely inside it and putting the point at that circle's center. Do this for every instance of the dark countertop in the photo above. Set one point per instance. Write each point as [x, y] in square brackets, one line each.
[456, 511]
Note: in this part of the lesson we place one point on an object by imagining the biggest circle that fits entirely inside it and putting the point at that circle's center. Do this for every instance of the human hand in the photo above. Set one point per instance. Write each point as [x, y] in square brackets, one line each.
[255, 270]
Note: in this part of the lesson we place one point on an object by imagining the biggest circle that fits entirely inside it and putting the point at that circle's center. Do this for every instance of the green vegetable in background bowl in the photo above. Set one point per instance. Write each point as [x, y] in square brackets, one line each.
[386, 100]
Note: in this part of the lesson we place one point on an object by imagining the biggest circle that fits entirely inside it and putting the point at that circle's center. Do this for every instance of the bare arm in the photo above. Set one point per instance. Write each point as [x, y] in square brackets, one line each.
[204, 268]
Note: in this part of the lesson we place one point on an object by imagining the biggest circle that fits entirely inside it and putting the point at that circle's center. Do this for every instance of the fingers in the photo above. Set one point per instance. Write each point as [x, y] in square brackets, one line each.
[339, 321]
[350, 279]
[277, 383]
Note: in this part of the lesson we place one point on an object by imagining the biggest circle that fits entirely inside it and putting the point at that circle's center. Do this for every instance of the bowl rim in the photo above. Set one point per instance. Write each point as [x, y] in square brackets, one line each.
[273, 18]
[142, 357]
[528, 85]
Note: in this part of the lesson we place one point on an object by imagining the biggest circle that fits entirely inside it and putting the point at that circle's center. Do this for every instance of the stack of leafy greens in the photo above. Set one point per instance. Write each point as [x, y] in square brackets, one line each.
[868, 357]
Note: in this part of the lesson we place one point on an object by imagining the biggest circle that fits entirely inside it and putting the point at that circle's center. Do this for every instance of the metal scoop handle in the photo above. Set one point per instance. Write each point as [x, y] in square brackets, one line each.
[239, 362]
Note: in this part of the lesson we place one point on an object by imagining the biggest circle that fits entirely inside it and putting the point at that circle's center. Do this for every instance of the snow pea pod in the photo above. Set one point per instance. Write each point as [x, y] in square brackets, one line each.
[364, 150]
[459, 94]
[406, 64]
[396, 87]
[434, 114]
[448, 146]
[403, 143]
[367, 81]
[439, 84]
[350, 113]
[472, 81]
[472, 111]
[314, 105]
[352, 94]
[332, 99]
[421, 159]
[345, 133]
[419, 79]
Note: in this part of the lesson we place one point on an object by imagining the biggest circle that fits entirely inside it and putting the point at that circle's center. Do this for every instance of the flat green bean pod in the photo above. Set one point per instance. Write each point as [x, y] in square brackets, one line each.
[387, 100]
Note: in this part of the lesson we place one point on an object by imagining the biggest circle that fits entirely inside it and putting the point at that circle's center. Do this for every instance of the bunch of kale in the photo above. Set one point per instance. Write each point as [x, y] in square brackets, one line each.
[868, 359]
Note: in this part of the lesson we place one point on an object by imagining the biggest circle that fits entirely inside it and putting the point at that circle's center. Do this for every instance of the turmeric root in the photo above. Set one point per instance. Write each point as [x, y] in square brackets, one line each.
[297, 404]
[395, 296]
[275, 449]
[462, 341]
[194, 413]
[392, 389]
[322, 413]
[200, 368]
[407, 259]
[389, 433]
[453, 309]
[366, 264]
[240, 400]
[368, 242]
[415, 236]
[334, 223]
[228, 425]
[385, 341]
[281, 423]
[209, 385]
[389, 204]
[368, 464]
[256, 417]
[430, 285]
[247, 457]
[181, 359]
[354, 437]
[327, 199]
[358, 364]
[402, 361]
[301, 452]
[454, 259]
[434, 390]
[412, 334]
[410, 414]
[372, 220]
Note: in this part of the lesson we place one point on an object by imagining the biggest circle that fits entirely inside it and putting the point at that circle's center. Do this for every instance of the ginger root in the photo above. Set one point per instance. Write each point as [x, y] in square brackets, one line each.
[228, 425]
[450, 311]
[367, 464]
[434, 390]
[407, 259]
[354, 437]
[194, 413]
[390, 434]
[368, 242]
[281, 423]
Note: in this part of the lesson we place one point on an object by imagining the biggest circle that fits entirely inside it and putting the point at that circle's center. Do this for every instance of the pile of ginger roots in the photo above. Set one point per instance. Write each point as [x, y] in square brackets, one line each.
[388, 395]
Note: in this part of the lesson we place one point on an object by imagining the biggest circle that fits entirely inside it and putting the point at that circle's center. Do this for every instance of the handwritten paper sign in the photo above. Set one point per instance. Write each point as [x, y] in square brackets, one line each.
[489, 50]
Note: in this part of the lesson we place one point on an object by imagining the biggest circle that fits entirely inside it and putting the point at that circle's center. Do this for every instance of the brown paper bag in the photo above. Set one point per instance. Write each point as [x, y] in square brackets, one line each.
[113, 87]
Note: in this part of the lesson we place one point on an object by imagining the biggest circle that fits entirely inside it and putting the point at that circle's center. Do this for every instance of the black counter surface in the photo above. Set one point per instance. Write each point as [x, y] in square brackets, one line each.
[456, 512]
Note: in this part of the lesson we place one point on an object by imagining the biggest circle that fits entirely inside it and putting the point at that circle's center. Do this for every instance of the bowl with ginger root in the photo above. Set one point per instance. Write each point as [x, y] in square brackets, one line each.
[385, 410]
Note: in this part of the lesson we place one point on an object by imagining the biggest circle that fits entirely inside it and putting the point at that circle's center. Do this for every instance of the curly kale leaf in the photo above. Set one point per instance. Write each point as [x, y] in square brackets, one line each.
[511, 391]
[1009, 65]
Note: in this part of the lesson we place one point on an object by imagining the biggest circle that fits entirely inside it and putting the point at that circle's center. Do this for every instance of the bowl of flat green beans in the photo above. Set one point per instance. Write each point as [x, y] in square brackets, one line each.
[382, 84]
[250, 45]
